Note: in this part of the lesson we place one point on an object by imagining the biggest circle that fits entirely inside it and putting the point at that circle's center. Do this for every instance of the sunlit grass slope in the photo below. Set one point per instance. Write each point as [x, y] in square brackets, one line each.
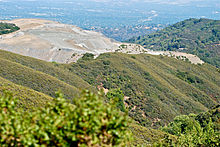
[28, 97]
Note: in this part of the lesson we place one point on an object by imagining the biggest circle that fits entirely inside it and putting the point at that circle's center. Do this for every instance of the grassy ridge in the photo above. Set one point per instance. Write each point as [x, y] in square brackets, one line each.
[28, 97]
[196, 36]
[35, 80]
[47, 68]
[156, 88]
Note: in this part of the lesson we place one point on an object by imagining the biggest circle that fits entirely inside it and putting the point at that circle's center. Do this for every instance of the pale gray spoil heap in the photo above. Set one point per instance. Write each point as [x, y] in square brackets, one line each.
[52, 41]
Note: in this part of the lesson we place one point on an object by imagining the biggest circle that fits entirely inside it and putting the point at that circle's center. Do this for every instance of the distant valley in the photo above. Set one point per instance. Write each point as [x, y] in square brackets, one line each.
[104, 15]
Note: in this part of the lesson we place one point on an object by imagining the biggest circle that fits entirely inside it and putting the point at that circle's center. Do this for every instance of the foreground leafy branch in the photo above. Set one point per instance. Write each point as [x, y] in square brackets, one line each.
[86, 122]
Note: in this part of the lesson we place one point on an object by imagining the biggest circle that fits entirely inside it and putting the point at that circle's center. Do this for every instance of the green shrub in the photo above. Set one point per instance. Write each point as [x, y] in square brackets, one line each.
[87, 56]
[106, 62]
[191, 133]
[133, 57]
[86, 122]
[6, 28]
[118, 96]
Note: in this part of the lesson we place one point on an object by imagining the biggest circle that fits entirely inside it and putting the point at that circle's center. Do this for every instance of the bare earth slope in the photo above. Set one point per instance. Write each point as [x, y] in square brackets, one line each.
[53, 41]
[63, 43]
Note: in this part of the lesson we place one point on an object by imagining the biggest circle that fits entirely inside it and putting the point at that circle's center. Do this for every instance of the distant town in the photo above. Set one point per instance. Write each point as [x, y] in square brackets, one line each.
[123, 33]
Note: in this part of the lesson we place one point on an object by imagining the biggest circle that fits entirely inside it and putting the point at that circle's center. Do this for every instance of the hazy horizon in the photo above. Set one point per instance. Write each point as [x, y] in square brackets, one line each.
[110, 13]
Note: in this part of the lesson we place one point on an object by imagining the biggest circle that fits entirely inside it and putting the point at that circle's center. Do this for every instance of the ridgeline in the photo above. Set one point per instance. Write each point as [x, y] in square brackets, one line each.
[200, 37]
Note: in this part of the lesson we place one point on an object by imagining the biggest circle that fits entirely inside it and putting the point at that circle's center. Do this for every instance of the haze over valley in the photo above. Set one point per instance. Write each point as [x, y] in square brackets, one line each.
[120, 20]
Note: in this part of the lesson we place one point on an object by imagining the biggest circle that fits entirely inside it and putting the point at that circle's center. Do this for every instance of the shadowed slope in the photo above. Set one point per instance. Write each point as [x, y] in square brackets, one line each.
[157, 88]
